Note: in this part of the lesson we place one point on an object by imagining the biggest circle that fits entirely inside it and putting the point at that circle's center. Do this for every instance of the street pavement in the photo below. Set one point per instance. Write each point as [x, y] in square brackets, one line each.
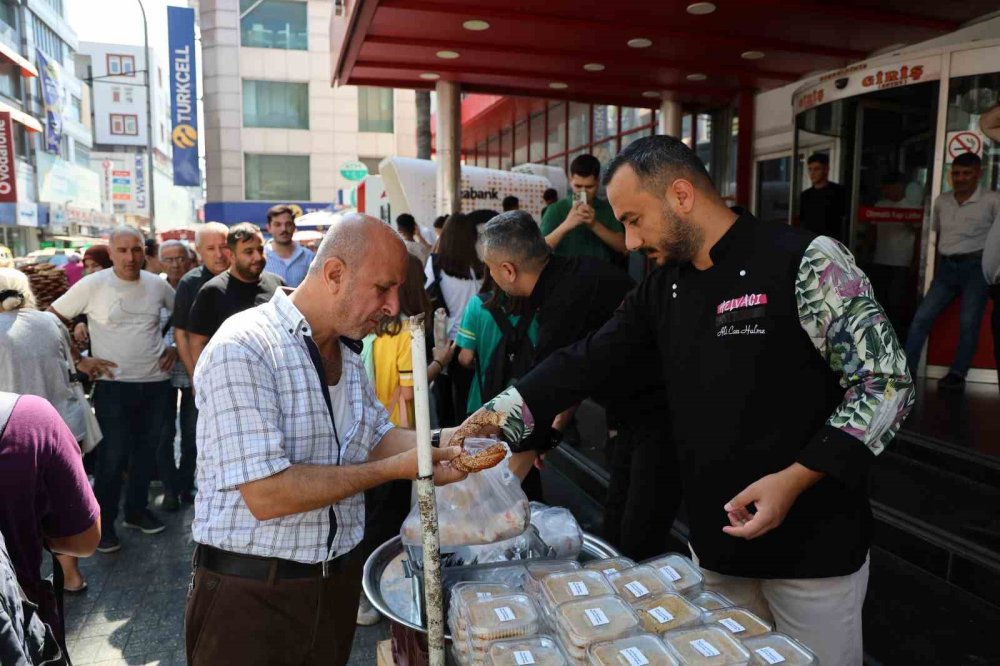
[133, 609]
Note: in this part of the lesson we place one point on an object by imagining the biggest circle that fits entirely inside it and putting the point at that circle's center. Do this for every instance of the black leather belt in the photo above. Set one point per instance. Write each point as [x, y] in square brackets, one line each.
[968, 256]
[226, 563]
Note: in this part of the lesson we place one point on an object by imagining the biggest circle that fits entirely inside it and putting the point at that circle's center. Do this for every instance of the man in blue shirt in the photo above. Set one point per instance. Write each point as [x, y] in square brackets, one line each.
[285, 257]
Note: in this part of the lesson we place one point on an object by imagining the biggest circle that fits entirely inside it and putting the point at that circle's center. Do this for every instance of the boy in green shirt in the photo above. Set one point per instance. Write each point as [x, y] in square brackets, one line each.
[589, 229]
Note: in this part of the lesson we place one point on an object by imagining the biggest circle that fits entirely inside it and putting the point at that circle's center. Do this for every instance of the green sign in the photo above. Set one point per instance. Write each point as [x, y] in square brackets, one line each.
[353, 170]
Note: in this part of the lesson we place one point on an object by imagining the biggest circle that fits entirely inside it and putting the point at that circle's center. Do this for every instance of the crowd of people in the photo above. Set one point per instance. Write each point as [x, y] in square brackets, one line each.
[289, 376]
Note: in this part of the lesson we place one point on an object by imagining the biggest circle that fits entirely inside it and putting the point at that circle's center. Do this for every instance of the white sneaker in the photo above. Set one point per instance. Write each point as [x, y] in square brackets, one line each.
[367, 615]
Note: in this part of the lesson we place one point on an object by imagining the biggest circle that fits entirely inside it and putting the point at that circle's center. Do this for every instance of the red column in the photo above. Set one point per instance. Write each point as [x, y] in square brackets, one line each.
[744, 148]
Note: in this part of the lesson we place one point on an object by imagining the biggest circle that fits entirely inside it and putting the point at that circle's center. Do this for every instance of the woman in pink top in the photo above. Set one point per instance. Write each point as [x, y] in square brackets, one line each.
[73, 269]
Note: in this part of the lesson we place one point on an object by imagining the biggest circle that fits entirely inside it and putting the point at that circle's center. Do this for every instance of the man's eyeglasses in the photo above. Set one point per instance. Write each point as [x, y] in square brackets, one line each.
[172, 260]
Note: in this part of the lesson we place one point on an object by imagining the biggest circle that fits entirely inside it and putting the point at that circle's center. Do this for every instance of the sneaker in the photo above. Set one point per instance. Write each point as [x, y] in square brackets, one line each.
[146, 522]
[367, 615]
[952, 382]
[170, 502]
[109, 543]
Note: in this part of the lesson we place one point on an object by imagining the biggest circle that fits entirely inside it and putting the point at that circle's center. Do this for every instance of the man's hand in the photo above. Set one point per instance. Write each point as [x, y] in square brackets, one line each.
[587, 214]
[444, 473]
[579, 215]
[444, 353]
[81, 333]
[167, 359]
[477, 424]
[772, 497]
[96, 367]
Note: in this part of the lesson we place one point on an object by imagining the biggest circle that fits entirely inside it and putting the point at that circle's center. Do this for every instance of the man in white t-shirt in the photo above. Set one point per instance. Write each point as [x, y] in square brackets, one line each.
[123, 313]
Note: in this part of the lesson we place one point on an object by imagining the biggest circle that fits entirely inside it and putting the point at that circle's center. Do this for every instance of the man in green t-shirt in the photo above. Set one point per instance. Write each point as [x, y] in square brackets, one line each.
[576, 229]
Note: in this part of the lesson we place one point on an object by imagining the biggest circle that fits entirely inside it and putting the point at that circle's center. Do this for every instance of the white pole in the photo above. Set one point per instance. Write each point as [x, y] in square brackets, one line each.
[433, 592]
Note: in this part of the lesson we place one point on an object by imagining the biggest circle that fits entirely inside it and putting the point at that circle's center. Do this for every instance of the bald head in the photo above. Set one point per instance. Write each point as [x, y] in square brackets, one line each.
[351, 238]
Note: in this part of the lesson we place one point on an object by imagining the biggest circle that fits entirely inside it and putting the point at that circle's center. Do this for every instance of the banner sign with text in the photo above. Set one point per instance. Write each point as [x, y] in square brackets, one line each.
[48, 75]
[879, 214]
[183, 96]
[8, 162]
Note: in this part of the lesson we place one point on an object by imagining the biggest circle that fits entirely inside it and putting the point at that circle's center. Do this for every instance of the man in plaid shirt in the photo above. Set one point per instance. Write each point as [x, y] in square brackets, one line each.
[290, 435]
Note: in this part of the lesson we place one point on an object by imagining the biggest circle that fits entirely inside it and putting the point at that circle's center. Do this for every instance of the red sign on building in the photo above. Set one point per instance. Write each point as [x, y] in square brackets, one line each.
[8, 161]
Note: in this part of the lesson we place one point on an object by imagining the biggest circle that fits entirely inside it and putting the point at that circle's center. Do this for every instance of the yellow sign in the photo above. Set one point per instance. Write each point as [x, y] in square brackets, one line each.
[184, 136]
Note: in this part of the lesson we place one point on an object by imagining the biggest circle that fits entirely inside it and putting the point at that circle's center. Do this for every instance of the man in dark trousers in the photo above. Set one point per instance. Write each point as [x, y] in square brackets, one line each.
[784, 381]
[572, 296]
[823, 207]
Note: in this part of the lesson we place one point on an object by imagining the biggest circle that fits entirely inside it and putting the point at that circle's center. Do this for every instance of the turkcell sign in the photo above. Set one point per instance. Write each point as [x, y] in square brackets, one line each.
[183, 96]
[8, 164]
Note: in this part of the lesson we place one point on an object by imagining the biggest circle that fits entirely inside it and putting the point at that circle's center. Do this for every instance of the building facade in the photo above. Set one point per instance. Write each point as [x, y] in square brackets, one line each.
[275, 131]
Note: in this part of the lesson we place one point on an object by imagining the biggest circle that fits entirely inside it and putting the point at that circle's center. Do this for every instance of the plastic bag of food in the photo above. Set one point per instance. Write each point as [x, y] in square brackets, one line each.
[558, 529]
[485, 507]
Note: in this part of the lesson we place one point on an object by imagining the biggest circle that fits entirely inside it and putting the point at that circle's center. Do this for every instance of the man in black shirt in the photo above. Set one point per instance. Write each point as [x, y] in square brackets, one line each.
[823, 207]
[242, 287]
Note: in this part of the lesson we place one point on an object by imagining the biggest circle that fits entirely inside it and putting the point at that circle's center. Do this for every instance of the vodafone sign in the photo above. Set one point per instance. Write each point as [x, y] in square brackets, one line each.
[8, 163]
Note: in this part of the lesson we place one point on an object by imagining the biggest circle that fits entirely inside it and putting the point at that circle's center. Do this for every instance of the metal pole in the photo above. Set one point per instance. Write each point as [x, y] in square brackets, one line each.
[426, 501]
[149, 122]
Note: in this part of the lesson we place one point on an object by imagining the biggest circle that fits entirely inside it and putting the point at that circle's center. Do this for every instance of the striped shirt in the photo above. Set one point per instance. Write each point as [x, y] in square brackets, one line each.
[262, 409]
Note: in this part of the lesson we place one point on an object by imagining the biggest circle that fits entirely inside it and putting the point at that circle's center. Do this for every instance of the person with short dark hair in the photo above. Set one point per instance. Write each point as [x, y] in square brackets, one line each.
[510, 202]
[406, 225]
[246, 284]
[285, 258]
[583, 224]
[962, 219]
[784, 382]
[153, 263]
[439, 224]
[823, 207]
[549, 196]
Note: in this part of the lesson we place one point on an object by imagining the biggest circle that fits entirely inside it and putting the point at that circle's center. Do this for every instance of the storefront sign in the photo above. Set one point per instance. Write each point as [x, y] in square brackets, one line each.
[860, 79]
[234, 212]
[27, 214]
[183, 96]
[959, 143]
[880, 214]
[140, 184]
[61, 182]
[48, 73]
[8, 161]
[353, 170]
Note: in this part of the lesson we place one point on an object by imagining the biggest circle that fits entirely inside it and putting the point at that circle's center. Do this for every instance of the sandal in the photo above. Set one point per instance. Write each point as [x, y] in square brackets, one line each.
[76, 590]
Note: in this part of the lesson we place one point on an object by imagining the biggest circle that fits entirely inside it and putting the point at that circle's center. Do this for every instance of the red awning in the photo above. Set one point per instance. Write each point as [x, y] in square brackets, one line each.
[30, 122]
[9, 54]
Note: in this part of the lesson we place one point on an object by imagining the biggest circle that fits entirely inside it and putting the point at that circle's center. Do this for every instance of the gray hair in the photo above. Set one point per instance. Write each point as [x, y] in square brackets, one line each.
[15, 291]
[516, 236]
[210, 228]
[346, 239]
[175, 243]
[126, 230]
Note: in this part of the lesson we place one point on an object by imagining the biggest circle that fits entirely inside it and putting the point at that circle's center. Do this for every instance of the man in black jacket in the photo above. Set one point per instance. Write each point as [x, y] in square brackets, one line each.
[784, 381]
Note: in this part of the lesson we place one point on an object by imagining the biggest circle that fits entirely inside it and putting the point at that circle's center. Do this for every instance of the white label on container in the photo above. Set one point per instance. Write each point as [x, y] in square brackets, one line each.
[770, 655]
[661, 614]
[523, 657]
[596, 616]
[732, 625]
[484, 595]
[578, 589]
[670, 573]
[637, 588]
[504, 613]
[705, 648]
[610, 571]
[634, 656]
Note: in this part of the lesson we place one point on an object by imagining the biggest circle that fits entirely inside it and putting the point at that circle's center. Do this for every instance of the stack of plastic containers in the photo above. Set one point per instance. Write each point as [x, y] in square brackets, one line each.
[580, 624]
[536, 651]
[637, 650]
[560, 587]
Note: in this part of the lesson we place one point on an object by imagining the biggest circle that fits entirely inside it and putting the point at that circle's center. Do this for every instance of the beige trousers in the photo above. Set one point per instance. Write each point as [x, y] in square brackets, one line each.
[822, 613]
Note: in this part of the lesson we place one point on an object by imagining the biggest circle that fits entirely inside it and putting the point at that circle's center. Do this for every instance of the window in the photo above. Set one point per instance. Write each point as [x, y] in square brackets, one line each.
[521, 142]
[120, 65]
[579, 124]
[276, 177]
[128, 95]
[633, 117]
[75, 108]
[10, 81]
[48, 41]
[81, 155]
[557, 128]
[125, 124]
[537, 138]
[506, 148]
[274, 24]
[116, 94]
[8, 15]
[56, 5]
[277, 104]
[605, 121]
[774, 179]
[375, 109]
[493, 152]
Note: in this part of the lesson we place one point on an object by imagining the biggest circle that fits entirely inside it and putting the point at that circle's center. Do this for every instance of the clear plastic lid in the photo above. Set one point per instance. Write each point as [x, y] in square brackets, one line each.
[778, 649]
[666, 612]
[505, 616]
[558, 588]
[639, 583]
[680, 571]
[710, 601]
[638, 650]
[609, 565]
[542, 568]
[463, 593]
[535, 651]
[738, 621]
[587, 621]
[706, 646]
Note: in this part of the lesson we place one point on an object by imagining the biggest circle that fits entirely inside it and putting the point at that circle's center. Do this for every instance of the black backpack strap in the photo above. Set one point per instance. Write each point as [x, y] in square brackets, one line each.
[435, 289]
[58, 586]
[7, 402]
[502, 322]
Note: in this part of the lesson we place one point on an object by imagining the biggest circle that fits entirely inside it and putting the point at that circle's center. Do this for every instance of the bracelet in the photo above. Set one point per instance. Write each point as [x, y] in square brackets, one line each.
[434, 360]
[436, 438]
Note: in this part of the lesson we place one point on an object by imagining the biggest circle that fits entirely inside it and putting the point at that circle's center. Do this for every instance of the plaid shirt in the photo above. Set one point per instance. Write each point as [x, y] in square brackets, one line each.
[262, 409]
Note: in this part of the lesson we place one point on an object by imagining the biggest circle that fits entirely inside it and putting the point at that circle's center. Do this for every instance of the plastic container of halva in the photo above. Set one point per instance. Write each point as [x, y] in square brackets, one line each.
[609, 565]
[706, 646]
[499, 618]
[680, 571]
[778, 648]
[580, 624]
[534, 651]
[710, 601]
[639, 583]
[667, 612]
[558, 588]
[462, 595]
[539, 569]
[740, 622]
[638, 650]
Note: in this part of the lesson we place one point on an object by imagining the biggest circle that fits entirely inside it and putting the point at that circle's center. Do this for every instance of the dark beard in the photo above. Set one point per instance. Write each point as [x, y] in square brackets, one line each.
[682, 241]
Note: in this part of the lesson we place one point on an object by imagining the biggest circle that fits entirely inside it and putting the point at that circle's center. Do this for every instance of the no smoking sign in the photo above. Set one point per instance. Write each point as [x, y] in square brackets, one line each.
[967, 141]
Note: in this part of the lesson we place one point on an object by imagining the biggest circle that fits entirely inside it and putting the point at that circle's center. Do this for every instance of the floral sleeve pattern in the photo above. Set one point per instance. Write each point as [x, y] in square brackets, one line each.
[848, 327]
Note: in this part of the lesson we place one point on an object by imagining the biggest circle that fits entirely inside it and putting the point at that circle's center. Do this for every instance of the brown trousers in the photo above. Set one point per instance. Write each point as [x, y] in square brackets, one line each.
[300, 622]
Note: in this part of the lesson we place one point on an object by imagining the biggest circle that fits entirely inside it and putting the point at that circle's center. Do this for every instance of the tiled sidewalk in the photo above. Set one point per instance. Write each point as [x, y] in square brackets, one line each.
[133, 611]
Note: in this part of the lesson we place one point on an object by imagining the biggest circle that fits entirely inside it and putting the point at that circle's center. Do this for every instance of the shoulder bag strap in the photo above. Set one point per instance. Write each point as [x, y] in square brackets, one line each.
[7, 402]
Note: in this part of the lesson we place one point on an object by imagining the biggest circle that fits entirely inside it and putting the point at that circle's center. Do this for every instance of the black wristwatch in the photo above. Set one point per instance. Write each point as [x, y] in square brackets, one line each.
[436, 438]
